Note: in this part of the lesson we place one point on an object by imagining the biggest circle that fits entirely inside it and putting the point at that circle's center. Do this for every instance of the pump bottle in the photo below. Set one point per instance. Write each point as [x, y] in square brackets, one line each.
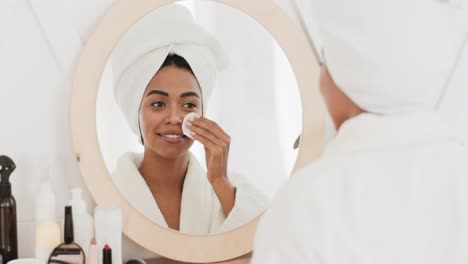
[47, 235]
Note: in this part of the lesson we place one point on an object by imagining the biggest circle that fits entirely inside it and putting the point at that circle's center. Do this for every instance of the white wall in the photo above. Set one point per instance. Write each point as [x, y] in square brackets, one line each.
[39, 46]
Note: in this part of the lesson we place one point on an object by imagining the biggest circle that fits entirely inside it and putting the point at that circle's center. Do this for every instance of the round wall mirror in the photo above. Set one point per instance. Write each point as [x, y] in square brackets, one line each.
[255, 101]
[189, 196]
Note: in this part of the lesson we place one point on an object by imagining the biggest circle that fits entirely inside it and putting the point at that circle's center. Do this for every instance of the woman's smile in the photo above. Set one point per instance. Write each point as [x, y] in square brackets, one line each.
[172, 137]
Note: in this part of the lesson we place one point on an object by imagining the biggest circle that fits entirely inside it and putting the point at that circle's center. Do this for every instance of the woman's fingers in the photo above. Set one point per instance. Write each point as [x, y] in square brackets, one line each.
[210, 136]
[218, 150]
[212, 127]
[202, 139]
[205, 134]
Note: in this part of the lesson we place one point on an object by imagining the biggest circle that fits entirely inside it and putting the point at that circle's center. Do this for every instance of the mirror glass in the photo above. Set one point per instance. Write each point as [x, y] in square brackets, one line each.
[243, 148]
[67, 254]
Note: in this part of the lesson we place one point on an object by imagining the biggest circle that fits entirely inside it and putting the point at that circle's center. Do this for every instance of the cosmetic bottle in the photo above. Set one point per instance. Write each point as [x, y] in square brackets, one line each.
[93, 255]
[47, 234]
[106, 255]
[82, 221]
[8, 228]
[69, 251]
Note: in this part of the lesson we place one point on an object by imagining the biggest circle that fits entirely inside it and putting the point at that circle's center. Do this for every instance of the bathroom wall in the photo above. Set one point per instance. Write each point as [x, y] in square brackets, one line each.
[39, 47]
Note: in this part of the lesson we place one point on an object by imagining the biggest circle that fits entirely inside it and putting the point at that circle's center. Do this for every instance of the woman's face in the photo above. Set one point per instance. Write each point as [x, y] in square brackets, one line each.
[171, 94]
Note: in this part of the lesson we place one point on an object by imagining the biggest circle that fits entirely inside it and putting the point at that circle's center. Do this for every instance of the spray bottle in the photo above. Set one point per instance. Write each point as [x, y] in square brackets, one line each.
[8, 229]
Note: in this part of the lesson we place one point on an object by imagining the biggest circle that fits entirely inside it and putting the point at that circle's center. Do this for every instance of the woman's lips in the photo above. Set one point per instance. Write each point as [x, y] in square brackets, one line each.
[172, 138]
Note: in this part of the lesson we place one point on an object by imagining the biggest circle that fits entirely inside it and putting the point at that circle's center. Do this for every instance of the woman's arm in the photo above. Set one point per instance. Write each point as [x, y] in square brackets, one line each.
[226, 194]
[216, 143]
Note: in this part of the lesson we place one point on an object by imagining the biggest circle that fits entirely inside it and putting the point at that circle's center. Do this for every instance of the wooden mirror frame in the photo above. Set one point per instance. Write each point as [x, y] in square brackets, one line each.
[162, 241]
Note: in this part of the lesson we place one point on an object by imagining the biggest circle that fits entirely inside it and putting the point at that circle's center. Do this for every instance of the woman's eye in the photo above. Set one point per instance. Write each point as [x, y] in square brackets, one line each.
[158, 104]
[189, 105]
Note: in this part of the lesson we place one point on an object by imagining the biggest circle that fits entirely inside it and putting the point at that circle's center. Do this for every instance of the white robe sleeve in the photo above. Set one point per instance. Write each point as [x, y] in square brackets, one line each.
[280, 236]
[250, 203]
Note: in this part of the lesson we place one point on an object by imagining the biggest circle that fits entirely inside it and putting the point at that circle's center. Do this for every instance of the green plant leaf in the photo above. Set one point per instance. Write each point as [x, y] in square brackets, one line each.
[297, 142]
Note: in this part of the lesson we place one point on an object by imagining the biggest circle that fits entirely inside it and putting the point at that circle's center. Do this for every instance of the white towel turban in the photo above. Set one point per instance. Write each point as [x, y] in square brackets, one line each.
[143, 49]
[391, 56]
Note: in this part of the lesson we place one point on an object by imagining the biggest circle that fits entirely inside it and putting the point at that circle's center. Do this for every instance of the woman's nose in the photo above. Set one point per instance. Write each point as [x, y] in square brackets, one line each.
[175, 117]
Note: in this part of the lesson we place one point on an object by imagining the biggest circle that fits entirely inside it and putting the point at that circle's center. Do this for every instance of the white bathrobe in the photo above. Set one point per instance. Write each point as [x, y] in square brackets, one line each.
[201, 212]
[388, 189]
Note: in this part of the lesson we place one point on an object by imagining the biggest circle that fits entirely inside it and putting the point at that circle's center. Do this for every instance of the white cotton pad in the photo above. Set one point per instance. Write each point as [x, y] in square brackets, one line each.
[190, 117]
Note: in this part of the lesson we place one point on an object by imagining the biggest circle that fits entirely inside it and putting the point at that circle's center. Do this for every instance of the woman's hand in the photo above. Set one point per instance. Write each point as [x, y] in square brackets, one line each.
[216, 143]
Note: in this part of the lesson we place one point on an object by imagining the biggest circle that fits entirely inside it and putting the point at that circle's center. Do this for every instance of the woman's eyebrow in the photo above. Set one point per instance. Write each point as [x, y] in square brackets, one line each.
[157, 92]
[190, 94]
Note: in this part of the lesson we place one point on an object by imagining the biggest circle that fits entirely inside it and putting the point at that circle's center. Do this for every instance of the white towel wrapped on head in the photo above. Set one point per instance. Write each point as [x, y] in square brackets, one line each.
[391, 57]
[143, 49]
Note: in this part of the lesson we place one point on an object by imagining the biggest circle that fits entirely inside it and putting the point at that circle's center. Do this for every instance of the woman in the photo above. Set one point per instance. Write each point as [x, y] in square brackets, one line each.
[391, 187]
[165, 68]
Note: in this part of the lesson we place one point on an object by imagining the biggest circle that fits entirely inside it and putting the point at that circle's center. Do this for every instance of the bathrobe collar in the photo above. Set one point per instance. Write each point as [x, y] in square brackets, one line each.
[196, 205]
[367, 132]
